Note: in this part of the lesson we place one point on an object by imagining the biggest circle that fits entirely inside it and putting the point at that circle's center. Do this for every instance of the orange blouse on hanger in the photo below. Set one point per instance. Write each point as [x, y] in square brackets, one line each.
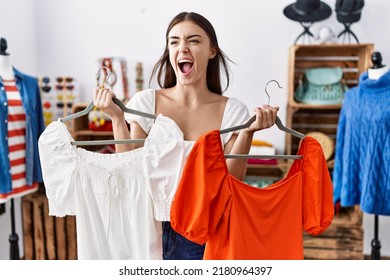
[239, 221]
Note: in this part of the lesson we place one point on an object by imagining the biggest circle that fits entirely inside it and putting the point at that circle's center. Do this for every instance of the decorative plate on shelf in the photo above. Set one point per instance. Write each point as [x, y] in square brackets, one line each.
[325, 141]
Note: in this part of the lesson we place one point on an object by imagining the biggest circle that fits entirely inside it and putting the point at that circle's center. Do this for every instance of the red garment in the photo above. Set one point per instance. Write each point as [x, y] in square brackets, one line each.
[239, 221]
[16, 143]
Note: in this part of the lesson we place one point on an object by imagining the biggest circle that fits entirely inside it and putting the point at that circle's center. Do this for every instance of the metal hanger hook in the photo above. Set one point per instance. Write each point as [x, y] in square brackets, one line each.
[107, 77]
[266, 92]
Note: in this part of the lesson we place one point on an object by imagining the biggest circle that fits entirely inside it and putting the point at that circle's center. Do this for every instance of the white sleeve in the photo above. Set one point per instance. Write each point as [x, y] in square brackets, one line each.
[236, 113]
[58, 161]
[164, 159]
[143, 101]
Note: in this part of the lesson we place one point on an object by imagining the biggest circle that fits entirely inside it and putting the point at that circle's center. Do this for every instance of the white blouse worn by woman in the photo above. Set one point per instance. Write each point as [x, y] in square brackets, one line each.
[235, 113]
[110, 193]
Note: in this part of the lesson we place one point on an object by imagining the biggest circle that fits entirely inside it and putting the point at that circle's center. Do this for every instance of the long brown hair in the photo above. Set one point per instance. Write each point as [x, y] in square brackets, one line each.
[166, 77]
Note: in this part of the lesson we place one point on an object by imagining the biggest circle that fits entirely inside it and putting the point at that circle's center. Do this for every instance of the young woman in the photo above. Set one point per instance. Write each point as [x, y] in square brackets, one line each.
[189, 74]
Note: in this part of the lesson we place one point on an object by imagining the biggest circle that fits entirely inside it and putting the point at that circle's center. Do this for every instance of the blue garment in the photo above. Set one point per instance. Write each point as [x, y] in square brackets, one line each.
[177, 247]
[32, 104]
[361, 174]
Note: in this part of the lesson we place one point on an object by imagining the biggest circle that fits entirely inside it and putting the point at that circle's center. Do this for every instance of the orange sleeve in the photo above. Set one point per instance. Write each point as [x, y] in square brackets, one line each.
[318, 207]
[203, 191]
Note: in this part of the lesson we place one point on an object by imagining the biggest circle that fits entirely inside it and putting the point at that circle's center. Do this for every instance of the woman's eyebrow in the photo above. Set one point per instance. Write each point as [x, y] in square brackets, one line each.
[192, 36]
[186, 37]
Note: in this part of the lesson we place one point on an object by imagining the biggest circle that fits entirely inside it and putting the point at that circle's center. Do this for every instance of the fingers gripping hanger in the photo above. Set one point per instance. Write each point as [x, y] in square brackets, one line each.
[91, 105]
[278, 123]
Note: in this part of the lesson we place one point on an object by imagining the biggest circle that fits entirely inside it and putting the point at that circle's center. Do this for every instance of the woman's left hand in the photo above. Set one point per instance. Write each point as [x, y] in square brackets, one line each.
[265, 118]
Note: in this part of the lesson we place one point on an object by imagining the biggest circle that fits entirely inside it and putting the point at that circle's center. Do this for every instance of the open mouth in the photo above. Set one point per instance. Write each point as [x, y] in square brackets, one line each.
[185, 65]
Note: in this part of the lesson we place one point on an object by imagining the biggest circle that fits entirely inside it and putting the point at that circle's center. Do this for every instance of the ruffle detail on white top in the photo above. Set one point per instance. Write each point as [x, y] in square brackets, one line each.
[164, 163]
[236, 113]
[143, 101]
[59, 159]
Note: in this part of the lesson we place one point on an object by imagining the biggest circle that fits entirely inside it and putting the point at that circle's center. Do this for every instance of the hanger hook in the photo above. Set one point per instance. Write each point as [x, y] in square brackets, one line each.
[266, 92]
[108, 76]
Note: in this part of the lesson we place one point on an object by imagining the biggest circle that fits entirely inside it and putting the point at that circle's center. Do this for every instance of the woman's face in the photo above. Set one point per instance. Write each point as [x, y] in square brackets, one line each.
[189, 52]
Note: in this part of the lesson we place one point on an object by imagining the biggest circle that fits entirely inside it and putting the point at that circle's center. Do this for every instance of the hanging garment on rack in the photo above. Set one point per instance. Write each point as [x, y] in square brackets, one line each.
[109, 193]
[235, 113]
[238, 221]
[16, 143]
[362, 161]
[22, 122]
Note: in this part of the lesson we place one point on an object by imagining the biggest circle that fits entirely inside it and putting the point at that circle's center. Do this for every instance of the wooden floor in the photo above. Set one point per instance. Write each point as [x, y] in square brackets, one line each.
[343, 240]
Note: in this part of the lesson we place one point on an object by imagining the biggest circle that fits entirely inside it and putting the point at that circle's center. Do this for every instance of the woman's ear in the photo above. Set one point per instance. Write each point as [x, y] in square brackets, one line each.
[213, 53]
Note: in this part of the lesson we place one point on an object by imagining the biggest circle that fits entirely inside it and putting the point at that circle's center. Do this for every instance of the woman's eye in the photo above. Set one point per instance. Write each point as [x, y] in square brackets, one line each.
[173, 43]
[194, 41]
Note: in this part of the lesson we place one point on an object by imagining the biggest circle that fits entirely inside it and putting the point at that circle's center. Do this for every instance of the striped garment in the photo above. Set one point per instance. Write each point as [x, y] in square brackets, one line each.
[16, 143]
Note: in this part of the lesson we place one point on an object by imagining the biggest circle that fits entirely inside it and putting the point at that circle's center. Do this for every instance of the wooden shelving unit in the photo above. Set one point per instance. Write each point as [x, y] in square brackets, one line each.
[344, 238]
[267, 170]
[80, 129]
[80, 125]
[260, 175]
[354, 59]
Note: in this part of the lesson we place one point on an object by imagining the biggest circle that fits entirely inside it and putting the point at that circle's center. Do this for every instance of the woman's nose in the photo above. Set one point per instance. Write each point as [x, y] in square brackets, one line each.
[183, 48]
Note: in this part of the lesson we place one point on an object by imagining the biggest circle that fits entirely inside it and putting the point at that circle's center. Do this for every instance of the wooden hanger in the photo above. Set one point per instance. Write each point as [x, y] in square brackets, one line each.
[117, 102]
[278, 123]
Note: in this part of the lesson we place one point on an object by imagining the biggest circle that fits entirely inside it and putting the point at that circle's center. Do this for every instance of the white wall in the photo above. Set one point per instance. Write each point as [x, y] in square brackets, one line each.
[65, 37]
[72, 34]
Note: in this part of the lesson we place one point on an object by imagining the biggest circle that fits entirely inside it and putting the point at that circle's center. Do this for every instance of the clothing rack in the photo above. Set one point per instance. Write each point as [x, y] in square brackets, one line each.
[13, 238]
[2, 208]
[376, 59]
[375, 243]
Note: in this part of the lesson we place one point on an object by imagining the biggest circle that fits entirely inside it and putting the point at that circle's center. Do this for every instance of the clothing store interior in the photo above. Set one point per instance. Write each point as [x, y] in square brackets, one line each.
[288, 156]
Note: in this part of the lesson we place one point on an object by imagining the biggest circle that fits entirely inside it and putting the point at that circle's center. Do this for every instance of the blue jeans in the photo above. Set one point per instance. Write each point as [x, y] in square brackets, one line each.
[177, 247]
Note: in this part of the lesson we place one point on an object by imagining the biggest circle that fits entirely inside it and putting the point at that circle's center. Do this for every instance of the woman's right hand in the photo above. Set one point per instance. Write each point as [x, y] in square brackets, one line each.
[103, 101]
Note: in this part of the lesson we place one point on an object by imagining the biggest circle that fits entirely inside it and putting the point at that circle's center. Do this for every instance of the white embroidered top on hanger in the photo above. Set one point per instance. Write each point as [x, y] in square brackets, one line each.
[110, 193]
